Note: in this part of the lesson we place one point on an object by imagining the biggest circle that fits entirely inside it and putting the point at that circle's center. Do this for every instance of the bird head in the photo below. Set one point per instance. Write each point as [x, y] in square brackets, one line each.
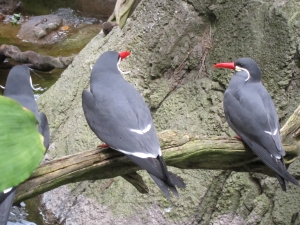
[109, 61]
[19, 81]
[247, 65]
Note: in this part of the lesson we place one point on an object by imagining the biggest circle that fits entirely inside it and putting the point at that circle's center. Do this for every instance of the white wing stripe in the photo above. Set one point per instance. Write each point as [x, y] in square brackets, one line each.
[138, 154]
[269, 132]
[142, 131]
[7, 190]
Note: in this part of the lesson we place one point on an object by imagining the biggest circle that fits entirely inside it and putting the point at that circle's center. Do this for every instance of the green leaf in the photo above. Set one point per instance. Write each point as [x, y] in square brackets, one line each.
[21, 145]
[17, 16]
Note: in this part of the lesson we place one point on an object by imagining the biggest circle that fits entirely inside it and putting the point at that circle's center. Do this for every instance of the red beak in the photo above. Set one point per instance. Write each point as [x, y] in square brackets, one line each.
[229, 65]
[123, 55]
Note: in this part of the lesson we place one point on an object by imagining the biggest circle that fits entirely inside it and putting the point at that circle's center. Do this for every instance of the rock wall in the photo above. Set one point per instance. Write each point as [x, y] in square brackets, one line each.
[174, 45]
[9, 6]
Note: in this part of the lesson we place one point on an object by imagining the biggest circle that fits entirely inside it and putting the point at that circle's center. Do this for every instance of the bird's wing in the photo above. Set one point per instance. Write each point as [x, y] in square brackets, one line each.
[247, 116]
[44, 129]
[272, 119]
[274, 163]
[157, 169]
[125, 127]
[6, 201]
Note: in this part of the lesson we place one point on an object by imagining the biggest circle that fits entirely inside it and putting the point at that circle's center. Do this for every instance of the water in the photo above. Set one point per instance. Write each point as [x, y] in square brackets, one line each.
[83, 30]
[77, 38]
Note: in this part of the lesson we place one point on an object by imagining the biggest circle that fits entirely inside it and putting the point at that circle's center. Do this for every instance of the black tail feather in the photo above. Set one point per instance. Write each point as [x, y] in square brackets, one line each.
[164, 186]
[282, 182]
[173, 179]
[177, 180]
[288, 176]
[277, 165]
[157, 169]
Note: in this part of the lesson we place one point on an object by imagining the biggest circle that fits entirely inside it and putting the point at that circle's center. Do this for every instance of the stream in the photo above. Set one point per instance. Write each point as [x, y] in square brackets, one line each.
[86, 23]
[77, 38]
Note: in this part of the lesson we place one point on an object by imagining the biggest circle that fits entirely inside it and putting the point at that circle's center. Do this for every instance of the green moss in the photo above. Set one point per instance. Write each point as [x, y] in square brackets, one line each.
[167, 48]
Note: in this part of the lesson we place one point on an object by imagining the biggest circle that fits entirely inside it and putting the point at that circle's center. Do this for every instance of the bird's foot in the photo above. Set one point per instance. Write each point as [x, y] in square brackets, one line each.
[104, 145]
[238, 138]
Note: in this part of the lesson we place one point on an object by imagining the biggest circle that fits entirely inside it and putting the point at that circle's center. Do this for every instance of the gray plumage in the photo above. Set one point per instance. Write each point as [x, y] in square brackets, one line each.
[251, 113]
[19, 87]
[118, 115]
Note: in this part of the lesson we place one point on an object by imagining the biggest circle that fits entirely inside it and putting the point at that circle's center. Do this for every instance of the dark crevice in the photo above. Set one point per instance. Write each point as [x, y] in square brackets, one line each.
[178, 76]
[257, 183]
[295, 218]
[207, 205]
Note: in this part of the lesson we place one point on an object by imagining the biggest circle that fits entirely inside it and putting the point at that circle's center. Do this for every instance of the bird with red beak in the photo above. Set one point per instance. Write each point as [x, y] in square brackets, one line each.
[118, 115]
[251, 113]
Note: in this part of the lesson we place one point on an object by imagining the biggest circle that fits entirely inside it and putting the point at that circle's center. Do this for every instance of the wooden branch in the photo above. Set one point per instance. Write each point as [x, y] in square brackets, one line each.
[122, 11]
[290, 132]
[180, 150]
[33, 59]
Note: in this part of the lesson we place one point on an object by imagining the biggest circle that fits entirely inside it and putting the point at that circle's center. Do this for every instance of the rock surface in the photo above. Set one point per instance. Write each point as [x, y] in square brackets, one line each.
[9, 6]
[42, 30]
[174, 45]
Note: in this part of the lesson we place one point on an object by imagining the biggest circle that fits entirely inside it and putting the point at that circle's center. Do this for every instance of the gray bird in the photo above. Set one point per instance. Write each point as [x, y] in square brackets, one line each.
[118, 115]
[19, 87]
[251, 113]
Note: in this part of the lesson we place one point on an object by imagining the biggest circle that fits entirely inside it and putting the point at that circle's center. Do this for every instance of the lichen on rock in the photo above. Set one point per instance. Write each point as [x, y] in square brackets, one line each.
[174, 45]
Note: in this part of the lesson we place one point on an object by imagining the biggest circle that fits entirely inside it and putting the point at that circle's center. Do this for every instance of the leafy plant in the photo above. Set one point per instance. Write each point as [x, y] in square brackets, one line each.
[15, 19]
[21, 145]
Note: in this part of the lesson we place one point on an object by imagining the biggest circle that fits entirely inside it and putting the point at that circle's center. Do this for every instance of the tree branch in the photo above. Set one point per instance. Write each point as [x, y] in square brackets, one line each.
[181, 150]
[122, 11]
[290, 132]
